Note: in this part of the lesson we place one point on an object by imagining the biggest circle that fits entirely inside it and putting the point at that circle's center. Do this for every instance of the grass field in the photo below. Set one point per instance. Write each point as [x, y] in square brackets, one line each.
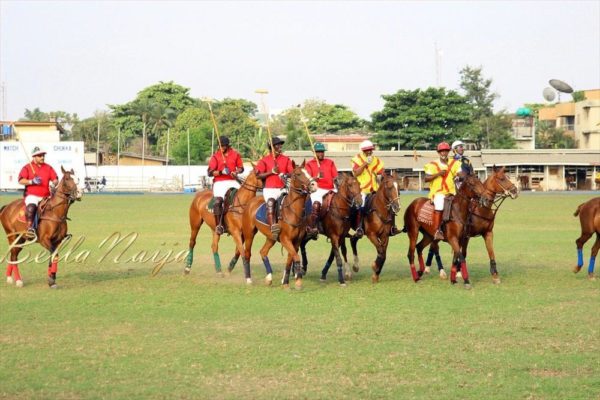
[113, 331]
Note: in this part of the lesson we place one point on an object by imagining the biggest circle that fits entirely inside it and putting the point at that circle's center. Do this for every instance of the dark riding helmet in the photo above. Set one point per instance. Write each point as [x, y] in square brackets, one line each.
[224, 140]
[276, 140]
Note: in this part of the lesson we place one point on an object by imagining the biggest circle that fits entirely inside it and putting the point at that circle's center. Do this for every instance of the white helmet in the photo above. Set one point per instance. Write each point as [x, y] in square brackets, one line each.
[367, 145]
[457, 143]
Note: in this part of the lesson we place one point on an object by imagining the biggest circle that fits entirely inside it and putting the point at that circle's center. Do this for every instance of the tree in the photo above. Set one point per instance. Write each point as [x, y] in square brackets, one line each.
[548, 136]
[36, 115]
[87, 131]
[199, 145]
[477, 92]
[421, 118]
[236, 119]
[335, 118]
[498, 131]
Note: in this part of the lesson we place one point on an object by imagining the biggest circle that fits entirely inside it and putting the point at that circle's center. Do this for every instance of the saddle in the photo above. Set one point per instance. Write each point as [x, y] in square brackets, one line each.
[326, 204]
[425, 215]
[21, 215]
[227, 202]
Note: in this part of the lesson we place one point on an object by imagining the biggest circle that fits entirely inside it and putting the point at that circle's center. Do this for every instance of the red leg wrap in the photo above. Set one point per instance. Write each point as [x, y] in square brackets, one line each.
[9, 269]
[464, 271]
[453, 273]
[413, 271]
[16, 272]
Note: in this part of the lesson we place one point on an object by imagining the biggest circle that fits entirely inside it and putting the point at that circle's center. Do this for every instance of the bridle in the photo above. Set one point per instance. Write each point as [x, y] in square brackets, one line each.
[393, 204]
[304, 189]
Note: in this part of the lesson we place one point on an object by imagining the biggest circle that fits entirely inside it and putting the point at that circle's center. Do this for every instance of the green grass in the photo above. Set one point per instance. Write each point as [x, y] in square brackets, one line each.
[112, 331]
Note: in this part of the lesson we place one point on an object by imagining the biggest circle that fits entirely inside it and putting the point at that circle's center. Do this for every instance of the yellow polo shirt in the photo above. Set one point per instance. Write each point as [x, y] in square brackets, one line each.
[368, 178]
[442, 184]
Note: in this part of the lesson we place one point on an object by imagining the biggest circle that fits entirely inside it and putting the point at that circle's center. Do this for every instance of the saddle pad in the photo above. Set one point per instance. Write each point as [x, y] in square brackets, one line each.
[21, 215]
[261, 213]
[426, 213]
[229, 196]
[326, 203]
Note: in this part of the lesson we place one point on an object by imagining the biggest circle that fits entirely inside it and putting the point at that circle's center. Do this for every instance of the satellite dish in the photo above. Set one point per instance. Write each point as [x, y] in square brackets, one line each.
[549, 94]
[561, 86]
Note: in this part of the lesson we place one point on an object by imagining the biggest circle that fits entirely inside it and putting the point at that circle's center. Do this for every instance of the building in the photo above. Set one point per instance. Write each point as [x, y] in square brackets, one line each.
[536, 170]
[30, 131]
[347, 142]
[136, 159]
[579, 119]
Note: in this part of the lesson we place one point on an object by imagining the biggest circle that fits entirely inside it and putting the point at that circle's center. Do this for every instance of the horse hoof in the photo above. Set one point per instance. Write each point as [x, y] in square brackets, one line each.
[375, 278]
[228, 273]
[453, 282]
[286, 286]
[591, 277]
[269, 279]
[355, 268]
[53, 286]
[323, 279]
[298, 284]
[348, 277]
[9, 280]
[577, 268]
[427, 270]
[496, 281]
[19, 283]
[468, 286]
[458, 275]
[248, 281]
[443, 275]
[187, 270]
[343, 284]
[220, 274]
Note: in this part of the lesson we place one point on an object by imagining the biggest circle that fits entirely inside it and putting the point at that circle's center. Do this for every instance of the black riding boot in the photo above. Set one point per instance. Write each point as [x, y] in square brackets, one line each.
[359, 224]
[218, 213]
[275, 229]
[312, 232]
[30, 211]
[394, 230]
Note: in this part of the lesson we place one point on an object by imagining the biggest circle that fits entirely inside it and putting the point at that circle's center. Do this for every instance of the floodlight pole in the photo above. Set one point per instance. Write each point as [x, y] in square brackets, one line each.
[262, 93]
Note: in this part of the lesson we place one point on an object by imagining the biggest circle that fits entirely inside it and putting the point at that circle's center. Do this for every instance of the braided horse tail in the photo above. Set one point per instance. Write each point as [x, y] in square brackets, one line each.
[576, 213]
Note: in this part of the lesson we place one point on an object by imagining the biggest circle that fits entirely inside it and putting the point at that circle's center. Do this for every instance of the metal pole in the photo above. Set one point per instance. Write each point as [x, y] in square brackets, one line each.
[188, 149]
[143, 151]
[118, 155]
[167, 166]
[97, 152]
[262, 92]
[312, 146]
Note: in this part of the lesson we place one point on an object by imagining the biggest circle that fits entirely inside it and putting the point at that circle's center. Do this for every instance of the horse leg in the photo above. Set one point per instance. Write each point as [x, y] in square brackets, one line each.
[304, 257]
[239, 249]
[380, 244]
[293, 251]
[489, 245]
[264, 253]
[356, 264]
[285, 280]
[248, 239]
[580, 242]
[52, 270]
[595, 249]
[420, 246]
[347, 269]
[338, 259]
[195, 226]
[233, 262]
[463, 263]
[327, 265]
[413, 234]
[434, 251]
[12, 269]
[215, 251]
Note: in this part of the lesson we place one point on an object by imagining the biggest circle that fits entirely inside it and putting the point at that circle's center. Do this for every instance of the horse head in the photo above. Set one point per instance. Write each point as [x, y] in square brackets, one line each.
[501, 184]
[472, 188]
[389, 186]
[349, 188]
[301, 181]
[68, 186]
[251, 181]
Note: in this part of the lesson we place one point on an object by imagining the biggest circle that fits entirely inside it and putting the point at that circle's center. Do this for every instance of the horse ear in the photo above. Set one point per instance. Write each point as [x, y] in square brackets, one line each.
[303, 163]
[62, 169]
[495, 168]
[293, 164]
[72, 171]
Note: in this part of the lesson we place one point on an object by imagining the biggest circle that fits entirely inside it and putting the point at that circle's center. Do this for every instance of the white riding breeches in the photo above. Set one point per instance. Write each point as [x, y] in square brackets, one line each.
[272, 193]
[318, 195]
[221, 187]
[438, 201]
[33, 199]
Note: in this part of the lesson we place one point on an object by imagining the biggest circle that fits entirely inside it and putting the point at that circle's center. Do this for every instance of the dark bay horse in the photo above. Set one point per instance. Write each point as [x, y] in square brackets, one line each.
[471, 188]
[481, 219]
[293, 227]
[378, 221]
[199, 213]
[336, 223]
[51, 230]
[589, 217]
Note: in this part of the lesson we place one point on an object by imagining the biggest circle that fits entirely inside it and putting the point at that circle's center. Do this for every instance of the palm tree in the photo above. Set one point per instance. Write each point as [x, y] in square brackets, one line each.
[143, 108]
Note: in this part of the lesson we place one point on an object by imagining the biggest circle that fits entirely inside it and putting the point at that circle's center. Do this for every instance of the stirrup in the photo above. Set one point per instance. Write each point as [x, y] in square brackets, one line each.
[439, 235]
[275, 229]
[394, 231]
[219, 229]
[31, 234]
[359, 232]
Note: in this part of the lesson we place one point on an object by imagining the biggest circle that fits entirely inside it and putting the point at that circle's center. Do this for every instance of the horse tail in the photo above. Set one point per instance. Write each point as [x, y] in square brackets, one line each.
[2, 208]
[576, 213]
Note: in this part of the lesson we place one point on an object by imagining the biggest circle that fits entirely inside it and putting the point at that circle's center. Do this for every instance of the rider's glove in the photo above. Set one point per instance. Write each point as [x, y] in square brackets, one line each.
[369, 159]
[225, 171]
[36, 181]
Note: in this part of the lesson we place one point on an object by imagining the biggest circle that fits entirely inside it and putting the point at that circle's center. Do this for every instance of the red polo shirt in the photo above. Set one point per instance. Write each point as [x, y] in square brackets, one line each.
[44, 171]
[266, 164]
[327, 169]
[232, 160]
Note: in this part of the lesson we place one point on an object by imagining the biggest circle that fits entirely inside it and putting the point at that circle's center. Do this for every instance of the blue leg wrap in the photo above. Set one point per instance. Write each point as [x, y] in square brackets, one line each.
[430, 255]
[267, 265]
[591, 266]
[217, 262]
[579, 257]
[190, 258]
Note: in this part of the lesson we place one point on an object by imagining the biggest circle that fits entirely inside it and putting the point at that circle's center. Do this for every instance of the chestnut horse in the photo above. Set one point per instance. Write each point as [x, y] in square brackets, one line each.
[199, 214]
[589, 217]
[336, 223]
[293, 227]
[471, 188]
[378, 220]
[481, 220]
[51, 229]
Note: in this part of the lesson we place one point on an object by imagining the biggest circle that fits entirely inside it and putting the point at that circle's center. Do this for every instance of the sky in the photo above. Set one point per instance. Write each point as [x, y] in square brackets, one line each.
[79, 56]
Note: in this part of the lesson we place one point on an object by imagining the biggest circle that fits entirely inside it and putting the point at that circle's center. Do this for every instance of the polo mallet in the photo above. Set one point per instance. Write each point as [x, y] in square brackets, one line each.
[214, 122]
[312, 146]
[262, 92]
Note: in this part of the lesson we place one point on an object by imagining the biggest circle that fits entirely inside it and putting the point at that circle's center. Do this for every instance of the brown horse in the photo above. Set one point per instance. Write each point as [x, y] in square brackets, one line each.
[293, 227]
[471, 188]
[199, 214]
[589, 217]
[378, 221]
[481, 220]
[51, 230]
[336, 223]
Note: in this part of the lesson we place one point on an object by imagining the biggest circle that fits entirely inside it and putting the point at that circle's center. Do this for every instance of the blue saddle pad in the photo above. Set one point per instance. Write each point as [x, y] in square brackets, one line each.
[261, 213]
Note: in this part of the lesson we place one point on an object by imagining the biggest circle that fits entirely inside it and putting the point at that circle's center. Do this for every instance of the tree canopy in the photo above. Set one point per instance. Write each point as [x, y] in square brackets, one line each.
[420, 119]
